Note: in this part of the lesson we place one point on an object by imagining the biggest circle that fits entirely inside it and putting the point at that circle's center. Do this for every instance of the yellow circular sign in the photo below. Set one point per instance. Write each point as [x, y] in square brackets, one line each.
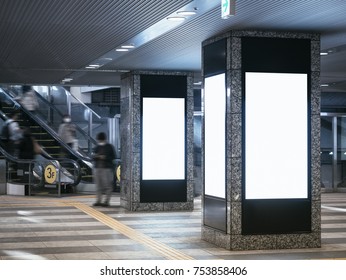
[118, 171]
[50, 174]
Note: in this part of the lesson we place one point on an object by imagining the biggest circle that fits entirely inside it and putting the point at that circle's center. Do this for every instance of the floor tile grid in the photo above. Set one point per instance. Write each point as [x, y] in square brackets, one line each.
[102, 243]
[60, 222]
[39, 236]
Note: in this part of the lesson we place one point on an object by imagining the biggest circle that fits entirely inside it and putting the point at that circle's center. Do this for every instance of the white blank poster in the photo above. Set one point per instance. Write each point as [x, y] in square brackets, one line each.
[215, 135]
[276, 135]
[163, 154]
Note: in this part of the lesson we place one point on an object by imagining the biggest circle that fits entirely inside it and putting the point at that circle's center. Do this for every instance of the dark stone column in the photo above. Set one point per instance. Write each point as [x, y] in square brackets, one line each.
[233, 237]
[131, 144]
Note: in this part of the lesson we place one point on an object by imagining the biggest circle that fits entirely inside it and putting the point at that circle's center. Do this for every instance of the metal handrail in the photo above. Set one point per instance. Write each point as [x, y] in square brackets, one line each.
[43, 124]
[82, 103]
[59, 164]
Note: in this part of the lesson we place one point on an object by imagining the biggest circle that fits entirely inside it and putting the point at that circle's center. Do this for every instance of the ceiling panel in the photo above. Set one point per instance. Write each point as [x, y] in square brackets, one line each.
[44, 41]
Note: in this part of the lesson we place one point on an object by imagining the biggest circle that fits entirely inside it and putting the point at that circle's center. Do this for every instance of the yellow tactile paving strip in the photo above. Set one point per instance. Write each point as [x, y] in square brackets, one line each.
[164, 250]
[333, 224]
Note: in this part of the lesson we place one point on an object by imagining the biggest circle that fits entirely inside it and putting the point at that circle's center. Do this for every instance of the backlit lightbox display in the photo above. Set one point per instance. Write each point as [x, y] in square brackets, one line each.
[215, 135]
[163, 143]
[276, 135]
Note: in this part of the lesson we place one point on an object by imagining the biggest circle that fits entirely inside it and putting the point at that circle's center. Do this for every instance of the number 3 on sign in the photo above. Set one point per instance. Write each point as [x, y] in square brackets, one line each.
[50, 174]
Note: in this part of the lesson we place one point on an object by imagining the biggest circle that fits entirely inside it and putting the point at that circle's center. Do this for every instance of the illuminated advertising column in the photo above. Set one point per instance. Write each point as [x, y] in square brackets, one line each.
[214, 136]
[157, 141]
[264, 192]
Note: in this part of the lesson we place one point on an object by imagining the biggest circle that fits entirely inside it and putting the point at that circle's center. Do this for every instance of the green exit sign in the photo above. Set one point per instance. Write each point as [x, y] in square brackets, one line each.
[227, 8]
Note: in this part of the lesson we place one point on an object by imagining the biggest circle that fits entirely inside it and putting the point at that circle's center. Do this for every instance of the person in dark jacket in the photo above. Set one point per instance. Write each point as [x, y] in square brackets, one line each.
[14, 133]
[103, 157]
[27, 147]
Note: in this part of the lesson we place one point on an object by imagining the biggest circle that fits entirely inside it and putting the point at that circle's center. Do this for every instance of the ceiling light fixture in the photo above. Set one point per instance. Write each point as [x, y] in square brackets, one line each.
[121, 50]
[67, 80]
[93, 66]
[129, 46]
[155, 31]
[324, 53]
[176, 18]
[186, 13]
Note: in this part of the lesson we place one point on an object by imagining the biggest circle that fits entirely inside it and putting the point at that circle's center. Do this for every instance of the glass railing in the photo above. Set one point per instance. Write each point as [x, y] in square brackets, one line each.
[49, 131]
[64, 174]
[56, 101]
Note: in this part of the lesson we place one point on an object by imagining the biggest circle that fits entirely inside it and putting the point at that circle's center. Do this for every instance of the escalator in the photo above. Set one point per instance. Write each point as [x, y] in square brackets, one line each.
[31, 177]
[44, 124]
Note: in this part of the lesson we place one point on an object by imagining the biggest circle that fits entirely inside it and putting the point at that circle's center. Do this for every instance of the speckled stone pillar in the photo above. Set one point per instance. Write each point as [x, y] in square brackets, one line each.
[130, 131]
[232, 238]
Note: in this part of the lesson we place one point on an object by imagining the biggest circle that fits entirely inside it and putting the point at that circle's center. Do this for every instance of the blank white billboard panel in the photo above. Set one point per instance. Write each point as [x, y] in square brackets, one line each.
[276, 135]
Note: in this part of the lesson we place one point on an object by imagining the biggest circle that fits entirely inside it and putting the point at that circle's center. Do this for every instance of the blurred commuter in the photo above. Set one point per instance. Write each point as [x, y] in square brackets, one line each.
[67, 133]
[11, 133]
[29, 99]
[103, 156]
[28, 147]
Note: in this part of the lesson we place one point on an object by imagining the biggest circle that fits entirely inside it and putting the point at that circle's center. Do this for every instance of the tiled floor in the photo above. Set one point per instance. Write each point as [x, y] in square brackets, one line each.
[70, 228]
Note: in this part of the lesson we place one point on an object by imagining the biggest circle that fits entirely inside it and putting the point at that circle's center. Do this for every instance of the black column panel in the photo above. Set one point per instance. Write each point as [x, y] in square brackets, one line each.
[276, 216]
[214, 58]
[163, 86]
[279, 55]
[214, 63]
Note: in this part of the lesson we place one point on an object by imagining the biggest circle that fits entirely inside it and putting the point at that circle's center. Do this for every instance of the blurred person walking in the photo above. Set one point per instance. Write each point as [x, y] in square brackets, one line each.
[29, 99]
[67, 133]
[11, 133]
[103, 156]
[28, 146]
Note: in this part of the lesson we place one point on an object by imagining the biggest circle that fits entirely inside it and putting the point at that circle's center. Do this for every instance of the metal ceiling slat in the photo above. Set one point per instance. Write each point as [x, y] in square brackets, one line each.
[65, 34]
[87, 16]
[130, 28]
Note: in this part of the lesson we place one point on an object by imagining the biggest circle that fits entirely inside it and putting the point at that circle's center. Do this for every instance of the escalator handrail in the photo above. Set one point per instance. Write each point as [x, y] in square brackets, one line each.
[82, 103]
[21, 161]
[44, 154]
[43, 124]
[55, 134]
[56, 162]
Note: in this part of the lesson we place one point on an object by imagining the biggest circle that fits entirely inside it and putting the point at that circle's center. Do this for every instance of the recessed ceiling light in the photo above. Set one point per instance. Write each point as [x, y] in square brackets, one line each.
[186, 13]
[176, 18]
[323, 53]
[324, 85]
[93, 66]
[121, 50]
[128, 46]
